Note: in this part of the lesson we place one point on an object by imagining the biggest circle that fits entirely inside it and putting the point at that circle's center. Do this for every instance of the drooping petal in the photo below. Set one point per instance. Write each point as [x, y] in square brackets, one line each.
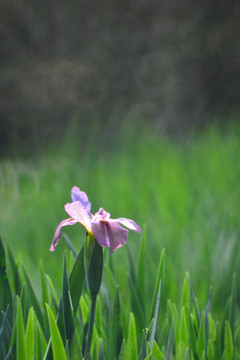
[101, 233]
[109, 234]
[58, 232]
[78, 195]
[79, 213]
[130, 224]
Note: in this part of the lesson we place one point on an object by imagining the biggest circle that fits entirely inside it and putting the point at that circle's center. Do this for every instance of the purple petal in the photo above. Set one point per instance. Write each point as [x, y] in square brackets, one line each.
[78, 195]
[109, 234]
[130, 224]
[79, 213]
[58, 232]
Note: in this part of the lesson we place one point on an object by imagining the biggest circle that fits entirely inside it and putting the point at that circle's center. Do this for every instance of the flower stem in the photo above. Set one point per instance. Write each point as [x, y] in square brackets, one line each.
[91, 323]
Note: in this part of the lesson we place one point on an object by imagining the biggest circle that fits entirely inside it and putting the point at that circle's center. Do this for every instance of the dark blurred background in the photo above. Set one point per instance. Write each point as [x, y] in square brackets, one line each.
[174, 64]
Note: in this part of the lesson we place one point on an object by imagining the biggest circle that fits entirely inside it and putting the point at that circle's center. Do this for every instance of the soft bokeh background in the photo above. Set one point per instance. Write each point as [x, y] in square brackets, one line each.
[137, 103]
[174, 64]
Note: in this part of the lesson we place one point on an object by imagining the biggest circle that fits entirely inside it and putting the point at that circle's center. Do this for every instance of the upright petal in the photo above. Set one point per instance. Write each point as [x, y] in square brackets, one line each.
[130, 224]
[109, 234]
[79, 213]
[58, 232]
[78, 195]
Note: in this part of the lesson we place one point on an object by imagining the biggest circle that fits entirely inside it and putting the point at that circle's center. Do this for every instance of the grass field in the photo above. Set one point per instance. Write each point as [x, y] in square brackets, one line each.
[183, 193]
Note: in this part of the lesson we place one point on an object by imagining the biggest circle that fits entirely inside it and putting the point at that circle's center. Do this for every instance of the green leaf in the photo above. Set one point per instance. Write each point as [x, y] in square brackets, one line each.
[116, 325]
[70, 245]
[68, 318]
[5, 290]
[76, 280]
[183, 329]
[185, 297]
[32, 299]
[5, 338]
[143, 351]
[194, 303]
[201, 337]
[131, 345]
[95, 269]
[21, 350]
[233, 304]
[57, 344]
[41, 344]
[154, 326]
[137, 306]
[160, 277]
[14, 271]
[110, 283]
[210, 349]
[157, 354]
[30, 338]
[142, 269]
[96, 348]
[192, 334]
[45, 298]
[174, 319]
[100, 352]
[52, 295]
[228, 342]
[132, 268]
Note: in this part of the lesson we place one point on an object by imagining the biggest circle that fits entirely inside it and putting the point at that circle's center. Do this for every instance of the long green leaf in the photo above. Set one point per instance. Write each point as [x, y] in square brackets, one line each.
[5, 290]
[68, 319]
[142, 269]
[41, 344]
[131, 345]
[117, 330]
[185, 297]
[233, 304]
[160, 277]
[4, 340]
[228, 342]
[183, 328]
[30, 337]
[14, 271]
[156, 311]
[157, 354]
[77, 279]
[32, 299]
[137, 306]
[57, 344]
[21, 350]
[45, 298]
[201, 337]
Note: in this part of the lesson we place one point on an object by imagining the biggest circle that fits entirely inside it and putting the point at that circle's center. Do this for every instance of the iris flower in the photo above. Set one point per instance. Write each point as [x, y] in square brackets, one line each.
[108, 232]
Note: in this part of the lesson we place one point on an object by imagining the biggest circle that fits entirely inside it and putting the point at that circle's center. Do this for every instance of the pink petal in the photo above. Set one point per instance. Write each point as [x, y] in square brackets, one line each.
[78, 195]
[130, 224]
[58, 232]
[109, 234]
[79, 213]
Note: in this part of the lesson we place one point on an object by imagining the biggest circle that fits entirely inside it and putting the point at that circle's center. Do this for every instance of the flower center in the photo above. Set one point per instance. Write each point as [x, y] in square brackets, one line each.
[101, 215]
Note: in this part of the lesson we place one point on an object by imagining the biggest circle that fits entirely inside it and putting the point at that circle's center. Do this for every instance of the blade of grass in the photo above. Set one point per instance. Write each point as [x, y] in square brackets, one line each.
[30, 338]
[142, 268]
[160, 277]
[32, 299]
[131, 345]
[57, 344]
[21, 350]
[228, 342]
[5, 290]
[156, 311]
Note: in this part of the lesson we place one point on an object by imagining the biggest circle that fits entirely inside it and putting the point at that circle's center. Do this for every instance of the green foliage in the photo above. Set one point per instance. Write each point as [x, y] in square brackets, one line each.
[156, 313]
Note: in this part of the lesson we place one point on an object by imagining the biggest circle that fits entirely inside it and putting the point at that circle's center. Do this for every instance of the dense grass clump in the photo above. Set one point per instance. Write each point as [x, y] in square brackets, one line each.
[185, 196]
